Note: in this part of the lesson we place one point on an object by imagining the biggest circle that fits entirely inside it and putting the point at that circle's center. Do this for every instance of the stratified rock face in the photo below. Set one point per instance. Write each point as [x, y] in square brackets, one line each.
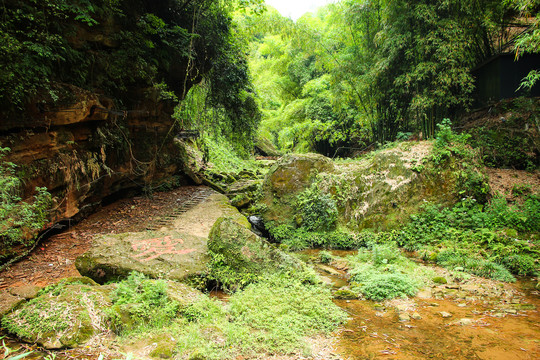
[289, 176]
[62, 318]
[248, 254]
[170, 255]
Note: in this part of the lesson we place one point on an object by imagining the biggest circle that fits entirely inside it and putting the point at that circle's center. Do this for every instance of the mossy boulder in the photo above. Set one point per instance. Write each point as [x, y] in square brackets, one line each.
[241, 256]
[64, 317]
[264, 147]
[292, 174]
[379, 191]
[171, 255]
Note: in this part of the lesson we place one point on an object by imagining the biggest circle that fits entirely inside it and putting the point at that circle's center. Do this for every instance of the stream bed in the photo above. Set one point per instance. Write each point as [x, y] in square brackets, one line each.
[452, 321]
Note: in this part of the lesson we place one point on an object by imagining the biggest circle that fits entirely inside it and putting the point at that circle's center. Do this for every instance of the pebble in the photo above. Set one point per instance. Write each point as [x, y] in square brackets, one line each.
[510, 311]
[445, 314]
[416, 316]
[404, 317]
[462, 305]
[465, 322]
[433, 304]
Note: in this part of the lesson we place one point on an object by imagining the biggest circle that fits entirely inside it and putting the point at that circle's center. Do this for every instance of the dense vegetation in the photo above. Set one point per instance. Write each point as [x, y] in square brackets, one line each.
[362, 72]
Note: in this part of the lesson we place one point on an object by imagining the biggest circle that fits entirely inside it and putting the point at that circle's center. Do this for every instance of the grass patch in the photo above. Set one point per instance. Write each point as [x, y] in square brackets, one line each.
[273, 316]
[382, 272]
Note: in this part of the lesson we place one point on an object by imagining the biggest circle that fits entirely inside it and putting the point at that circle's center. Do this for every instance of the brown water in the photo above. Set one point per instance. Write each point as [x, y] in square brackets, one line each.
[493, 329]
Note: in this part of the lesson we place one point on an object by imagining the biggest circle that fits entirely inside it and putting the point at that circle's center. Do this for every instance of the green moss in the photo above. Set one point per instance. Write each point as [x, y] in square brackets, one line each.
[439, 280]
[345, 294]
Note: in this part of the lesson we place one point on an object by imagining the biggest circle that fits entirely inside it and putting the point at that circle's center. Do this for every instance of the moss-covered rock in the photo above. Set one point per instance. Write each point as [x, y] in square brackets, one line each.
[8, 302]
[66, 316]
[289, 176]
[377, 192]
[240, 256]
[265, 147]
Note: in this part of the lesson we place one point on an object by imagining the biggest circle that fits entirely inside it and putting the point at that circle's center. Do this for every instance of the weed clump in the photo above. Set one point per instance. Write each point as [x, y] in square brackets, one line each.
[139, 302]
[384, 273]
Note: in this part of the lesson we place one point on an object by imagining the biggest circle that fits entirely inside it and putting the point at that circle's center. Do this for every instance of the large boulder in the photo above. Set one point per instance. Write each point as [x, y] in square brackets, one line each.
[66, 316]
[175, 253]
[240, 256]
[292, 174]
[377, 192]
[171, 255]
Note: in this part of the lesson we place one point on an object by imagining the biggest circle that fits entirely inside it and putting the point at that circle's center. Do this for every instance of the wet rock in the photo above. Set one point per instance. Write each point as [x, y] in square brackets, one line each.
[404, 317]
[66, 317]
[328, 269]
[424, 294]
[257, 226]
[465, 322]
[345, 294]
[445, 314]
[401, 308]
[416, 316]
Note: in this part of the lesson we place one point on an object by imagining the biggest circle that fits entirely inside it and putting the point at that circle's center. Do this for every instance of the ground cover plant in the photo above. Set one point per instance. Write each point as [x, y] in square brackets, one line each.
[381, 272]
[273, 316]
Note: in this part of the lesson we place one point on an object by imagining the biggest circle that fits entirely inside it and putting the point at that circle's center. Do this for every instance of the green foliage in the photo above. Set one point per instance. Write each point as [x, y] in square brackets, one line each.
[271, 317]
[300, 238]
[453, 259]
[144, 301]
[19, 219]
[318, 211]
[384, 273]
[388, 286]
[303, 310]
[325, 257]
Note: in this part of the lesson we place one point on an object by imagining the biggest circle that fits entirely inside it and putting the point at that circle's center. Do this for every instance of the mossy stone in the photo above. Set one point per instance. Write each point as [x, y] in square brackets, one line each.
[66, 317]
[439, 280]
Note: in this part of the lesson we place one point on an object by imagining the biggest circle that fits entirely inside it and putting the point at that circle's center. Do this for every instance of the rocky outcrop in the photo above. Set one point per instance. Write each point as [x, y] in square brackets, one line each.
[289, 176]
[378, 192]
[170, 255]
[72, 312]
[177, 252]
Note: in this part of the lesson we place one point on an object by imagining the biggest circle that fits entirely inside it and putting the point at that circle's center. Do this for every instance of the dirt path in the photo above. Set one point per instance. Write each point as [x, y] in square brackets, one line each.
[54, 258]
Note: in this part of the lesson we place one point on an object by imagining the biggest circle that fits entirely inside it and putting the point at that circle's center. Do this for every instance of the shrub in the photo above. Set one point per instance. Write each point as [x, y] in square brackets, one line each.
[475, 265]
[319, 211]
[522, 265]
[325, 257]
[144, 301]
[388, 286]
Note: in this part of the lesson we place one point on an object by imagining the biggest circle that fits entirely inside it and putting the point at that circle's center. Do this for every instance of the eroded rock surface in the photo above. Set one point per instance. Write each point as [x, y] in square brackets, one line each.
[176, 252]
